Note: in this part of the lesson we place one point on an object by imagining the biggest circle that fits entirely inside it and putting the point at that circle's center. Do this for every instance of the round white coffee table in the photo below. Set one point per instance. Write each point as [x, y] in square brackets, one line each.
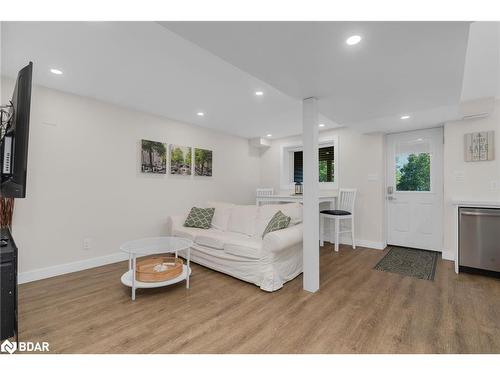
[150, 246]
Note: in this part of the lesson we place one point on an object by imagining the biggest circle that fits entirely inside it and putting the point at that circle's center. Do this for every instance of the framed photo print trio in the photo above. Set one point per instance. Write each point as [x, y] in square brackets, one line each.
[184, 160]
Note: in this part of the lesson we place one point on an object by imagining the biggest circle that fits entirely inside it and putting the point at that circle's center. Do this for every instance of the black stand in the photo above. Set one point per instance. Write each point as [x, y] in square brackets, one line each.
[8, 287]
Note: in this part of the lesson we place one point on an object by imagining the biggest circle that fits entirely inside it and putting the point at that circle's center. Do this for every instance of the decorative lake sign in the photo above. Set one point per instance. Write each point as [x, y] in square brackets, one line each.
[202, 162]
[479, 146]
[180, 160]
[153, 157]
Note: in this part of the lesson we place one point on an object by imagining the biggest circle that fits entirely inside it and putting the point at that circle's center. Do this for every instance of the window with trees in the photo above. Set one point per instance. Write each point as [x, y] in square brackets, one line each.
[292, 166]
[413, 172]
[326, 161]
[413, 165]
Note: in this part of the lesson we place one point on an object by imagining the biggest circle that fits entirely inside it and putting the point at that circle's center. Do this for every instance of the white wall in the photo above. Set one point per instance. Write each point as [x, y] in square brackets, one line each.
[362, 157]
[468, 180]
[84, 180]
[361, 165]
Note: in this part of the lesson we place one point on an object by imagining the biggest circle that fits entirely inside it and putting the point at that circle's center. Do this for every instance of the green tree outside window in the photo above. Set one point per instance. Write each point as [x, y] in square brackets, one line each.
[414, 173]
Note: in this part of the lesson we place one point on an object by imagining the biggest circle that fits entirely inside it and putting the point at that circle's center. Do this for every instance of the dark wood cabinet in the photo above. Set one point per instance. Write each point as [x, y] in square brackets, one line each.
[8, 286]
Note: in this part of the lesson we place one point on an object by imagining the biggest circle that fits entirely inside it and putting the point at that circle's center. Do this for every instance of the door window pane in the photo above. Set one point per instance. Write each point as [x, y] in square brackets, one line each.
[413, 166]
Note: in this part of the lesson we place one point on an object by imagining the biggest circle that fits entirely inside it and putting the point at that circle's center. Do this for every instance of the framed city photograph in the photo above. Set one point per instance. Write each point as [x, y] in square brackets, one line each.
[180, 160]
[202, 162]
[153, 157]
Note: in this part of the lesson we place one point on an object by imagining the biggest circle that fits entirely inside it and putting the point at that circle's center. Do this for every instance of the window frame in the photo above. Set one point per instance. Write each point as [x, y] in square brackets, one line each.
[286, 165]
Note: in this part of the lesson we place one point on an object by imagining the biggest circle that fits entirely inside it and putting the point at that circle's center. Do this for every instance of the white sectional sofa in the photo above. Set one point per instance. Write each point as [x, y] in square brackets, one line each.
[234, 244]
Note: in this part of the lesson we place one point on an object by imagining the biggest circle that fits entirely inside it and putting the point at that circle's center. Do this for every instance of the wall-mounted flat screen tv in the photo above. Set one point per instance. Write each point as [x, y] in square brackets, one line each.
[14, 141]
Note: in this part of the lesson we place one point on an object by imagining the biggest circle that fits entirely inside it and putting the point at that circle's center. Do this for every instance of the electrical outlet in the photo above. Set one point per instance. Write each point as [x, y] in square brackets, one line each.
[87, 243]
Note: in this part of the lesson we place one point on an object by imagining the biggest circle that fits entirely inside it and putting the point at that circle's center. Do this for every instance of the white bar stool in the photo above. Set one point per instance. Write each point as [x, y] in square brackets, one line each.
[343, 211]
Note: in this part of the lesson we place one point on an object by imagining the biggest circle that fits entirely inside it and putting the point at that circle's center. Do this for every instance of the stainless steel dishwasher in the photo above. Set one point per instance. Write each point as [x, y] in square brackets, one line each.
[479, 240]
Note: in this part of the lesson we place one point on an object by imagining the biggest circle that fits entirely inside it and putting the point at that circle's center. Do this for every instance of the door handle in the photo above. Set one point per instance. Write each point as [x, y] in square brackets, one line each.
[390, 198]
[480, 214]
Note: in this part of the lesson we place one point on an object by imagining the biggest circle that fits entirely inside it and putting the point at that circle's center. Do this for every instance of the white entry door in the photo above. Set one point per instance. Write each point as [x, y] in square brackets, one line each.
[414, 189]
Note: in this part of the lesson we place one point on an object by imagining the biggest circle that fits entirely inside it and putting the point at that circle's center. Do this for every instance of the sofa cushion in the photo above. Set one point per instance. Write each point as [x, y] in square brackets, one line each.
[293, 210]
[243, 219]
[216, 239]
[248, 248]
[200, 217]
[221, 215]
[210, 241]
[187, 232]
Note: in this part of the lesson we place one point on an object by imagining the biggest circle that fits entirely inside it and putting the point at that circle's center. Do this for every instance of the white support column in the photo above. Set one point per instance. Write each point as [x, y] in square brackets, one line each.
[310, 251]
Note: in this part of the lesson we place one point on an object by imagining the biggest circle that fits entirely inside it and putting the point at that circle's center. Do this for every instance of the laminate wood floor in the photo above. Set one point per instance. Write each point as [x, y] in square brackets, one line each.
[357, 310]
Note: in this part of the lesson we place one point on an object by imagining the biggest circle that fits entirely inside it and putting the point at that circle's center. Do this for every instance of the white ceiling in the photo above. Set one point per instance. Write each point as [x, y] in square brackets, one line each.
[144, 66]
[177, 69]
[398, 68]
[482, 62]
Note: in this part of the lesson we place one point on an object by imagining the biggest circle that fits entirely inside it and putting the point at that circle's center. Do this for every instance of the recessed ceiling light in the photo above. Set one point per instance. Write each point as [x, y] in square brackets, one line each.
[56, 71]
[352, 40]
[259, 93]
[201, 114]
[269, 135]
[405, 117]
[321, 125]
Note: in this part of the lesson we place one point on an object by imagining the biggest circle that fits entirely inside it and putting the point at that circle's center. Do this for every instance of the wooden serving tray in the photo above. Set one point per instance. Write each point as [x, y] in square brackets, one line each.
[146, 272]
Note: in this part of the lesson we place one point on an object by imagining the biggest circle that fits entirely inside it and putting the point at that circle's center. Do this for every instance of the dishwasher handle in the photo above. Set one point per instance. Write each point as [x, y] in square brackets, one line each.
[475, 213]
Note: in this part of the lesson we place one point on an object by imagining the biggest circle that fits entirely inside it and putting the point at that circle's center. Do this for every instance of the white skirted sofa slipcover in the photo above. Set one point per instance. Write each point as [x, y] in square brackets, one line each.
[234, 244]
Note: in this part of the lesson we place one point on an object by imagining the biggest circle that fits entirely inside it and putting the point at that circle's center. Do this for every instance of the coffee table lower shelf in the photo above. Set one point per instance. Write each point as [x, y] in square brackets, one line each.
[127, 280]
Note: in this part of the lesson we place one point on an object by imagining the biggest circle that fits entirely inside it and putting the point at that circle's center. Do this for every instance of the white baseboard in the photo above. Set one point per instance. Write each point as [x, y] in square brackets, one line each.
[61, 269]
[363, 243]
[370, 244]
[448, 255]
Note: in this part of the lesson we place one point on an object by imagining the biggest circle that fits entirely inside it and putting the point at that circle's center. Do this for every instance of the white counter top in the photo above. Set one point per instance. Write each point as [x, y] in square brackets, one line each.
[457, 202]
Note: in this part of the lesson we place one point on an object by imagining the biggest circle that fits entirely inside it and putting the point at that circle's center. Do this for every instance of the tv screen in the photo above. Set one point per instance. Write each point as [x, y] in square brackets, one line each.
[14, 143]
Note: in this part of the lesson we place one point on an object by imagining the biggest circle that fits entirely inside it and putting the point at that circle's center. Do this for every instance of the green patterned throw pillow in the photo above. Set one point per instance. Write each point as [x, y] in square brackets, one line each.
[200, 218]
[277, 222]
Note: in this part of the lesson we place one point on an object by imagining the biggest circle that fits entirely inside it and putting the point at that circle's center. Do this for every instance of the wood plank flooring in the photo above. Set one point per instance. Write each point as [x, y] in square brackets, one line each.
[357, 310]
